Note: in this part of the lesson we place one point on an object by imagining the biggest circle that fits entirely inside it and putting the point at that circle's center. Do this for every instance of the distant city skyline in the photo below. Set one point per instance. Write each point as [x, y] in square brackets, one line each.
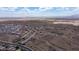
[38, 11]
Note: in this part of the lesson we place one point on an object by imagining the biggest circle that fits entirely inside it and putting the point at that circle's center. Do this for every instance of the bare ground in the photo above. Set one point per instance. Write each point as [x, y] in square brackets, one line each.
[39, 35]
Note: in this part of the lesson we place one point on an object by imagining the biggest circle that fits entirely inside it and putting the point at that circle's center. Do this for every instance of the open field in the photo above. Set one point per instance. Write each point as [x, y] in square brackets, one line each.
[39, 35]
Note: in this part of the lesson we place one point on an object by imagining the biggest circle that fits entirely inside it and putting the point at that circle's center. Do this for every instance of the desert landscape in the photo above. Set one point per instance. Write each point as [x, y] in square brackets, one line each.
[39, 34]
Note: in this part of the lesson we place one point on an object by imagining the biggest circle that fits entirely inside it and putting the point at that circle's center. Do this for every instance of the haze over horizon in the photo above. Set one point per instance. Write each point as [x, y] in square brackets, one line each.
[38, 11]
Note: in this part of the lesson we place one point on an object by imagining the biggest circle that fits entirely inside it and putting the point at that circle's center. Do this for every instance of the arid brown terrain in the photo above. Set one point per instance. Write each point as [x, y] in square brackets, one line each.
[39, 35]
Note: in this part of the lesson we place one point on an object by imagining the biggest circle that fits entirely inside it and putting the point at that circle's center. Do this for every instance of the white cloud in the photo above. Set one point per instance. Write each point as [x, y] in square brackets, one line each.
[8, 8]
[40, 9]
[44, 8]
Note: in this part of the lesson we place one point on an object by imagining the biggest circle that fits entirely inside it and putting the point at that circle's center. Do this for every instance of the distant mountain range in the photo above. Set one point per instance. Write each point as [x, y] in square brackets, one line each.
[72, 17]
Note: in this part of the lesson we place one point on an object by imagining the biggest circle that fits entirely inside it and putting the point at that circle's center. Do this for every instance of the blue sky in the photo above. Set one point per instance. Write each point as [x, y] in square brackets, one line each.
[38, 11]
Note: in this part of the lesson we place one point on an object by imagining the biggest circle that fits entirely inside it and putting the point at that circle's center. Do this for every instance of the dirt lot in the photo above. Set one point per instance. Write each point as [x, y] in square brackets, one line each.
[38, 36]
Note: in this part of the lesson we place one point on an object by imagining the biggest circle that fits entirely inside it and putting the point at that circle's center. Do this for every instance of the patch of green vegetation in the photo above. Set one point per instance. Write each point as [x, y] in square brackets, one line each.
[58, 33]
